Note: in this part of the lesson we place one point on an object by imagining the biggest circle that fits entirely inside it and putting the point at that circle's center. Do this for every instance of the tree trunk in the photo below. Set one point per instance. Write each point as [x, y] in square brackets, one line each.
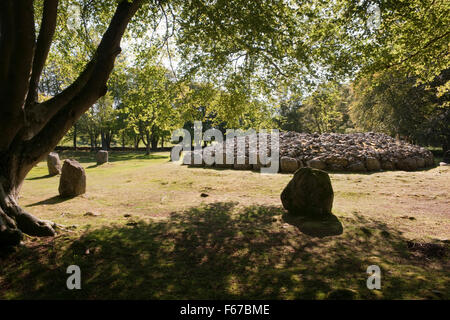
[31, 129]
[75, 136]
[137, 139]
[154, 143]
[13, 219]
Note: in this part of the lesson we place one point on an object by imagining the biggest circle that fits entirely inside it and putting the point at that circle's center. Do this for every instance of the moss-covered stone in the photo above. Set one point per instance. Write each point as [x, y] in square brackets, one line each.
[309, 193]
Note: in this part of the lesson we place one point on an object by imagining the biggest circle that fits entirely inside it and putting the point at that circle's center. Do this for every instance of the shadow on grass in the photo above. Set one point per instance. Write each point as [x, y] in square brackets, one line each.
[219, 251]
[52, 200]
[330, 226]
[41, 177]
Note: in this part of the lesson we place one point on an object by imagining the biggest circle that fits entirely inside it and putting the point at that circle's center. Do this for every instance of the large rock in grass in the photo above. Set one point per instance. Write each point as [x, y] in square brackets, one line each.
[309, 193]
[73, 179]
[102, 157]
[53, 164]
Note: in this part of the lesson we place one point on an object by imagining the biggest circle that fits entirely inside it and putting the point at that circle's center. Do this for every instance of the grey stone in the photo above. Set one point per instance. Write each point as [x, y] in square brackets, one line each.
[73, 179]
[53, 164]
[309, 193]
[102, 157]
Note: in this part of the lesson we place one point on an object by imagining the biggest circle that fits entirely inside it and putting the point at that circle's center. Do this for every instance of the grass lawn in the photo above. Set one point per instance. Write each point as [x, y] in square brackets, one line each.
[154, 236]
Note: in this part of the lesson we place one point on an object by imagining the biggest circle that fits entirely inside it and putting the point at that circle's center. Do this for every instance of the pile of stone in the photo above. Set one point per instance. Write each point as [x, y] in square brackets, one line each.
[354, 152]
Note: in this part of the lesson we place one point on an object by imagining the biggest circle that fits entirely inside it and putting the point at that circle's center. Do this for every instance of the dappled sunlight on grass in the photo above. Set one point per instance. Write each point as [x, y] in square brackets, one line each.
[221, 251]
[153, 235]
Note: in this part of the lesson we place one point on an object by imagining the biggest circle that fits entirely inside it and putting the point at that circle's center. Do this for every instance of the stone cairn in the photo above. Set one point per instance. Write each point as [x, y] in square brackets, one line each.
[354, 152]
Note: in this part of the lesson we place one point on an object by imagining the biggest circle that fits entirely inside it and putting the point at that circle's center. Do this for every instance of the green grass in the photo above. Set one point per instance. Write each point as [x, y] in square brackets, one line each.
[156, 238]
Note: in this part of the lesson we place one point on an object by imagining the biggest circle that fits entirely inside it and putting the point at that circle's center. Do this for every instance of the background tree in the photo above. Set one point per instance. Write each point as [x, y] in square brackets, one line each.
[270, 44]
[394, 103]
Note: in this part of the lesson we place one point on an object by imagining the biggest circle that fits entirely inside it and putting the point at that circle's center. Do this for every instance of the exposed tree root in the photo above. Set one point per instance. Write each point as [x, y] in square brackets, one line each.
[14, 221]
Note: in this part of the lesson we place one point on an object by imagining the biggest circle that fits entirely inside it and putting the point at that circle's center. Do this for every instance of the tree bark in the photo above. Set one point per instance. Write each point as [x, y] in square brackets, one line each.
[75, 129]
[29, 129]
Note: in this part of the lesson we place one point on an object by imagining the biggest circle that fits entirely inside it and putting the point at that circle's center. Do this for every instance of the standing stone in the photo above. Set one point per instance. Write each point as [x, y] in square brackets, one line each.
[288, 165]
[53, 164]
[73, 179]
[102, 157]
[309, 193]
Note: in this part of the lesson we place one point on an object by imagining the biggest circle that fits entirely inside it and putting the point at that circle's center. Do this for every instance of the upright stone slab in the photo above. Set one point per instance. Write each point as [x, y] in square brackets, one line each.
[53, 164]
[73, 179]
[102, 157]
[309, 193]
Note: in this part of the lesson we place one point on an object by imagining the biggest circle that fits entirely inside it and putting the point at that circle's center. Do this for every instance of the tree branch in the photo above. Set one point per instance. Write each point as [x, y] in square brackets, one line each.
[57, 115]
[44, 42]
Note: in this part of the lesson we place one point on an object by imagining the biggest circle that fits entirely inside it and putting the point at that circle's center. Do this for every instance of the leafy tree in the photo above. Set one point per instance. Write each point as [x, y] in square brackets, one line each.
[271, 44]
[150, 105]
[393, 102]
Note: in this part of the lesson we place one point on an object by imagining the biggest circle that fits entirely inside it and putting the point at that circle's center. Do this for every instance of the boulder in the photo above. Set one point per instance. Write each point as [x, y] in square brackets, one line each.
[336, 163]
[53, 164]
[387, 165]
[357, 166]
[288, 165]
[372, 164]
[407, 164]
[73, 179]
[316, 164]
[102, 157]
[309, 193]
